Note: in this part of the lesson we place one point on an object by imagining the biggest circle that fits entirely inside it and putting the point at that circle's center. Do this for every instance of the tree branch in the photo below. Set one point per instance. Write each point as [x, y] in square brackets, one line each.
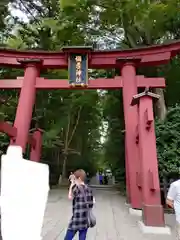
[75, 127]
[67, 133]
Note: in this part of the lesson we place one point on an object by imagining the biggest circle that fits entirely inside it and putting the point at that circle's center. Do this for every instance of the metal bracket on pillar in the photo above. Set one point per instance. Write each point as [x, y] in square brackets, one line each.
[137, 135]
[149, 118]
[137, 97]
[148, 114]
[138, 179]
[151, 181]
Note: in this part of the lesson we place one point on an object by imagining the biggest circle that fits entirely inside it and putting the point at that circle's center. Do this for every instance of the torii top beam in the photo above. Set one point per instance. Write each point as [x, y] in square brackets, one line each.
[153, 55]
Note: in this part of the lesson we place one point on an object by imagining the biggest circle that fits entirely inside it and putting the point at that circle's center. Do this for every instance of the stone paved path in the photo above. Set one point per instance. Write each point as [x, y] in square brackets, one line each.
[113, 219]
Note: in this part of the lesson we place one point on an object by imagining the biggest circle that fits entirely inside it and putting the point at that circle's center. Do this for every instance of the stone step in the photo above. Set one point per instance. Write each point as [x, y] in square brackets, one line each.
[104, 187]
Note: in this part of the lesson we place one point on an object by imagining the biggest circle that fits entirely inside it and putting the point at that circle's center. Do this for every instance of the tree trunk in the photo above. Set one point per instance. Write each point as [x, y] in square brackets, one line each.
[58, 156]
[68, 139]
[64, 167]
[160, 106]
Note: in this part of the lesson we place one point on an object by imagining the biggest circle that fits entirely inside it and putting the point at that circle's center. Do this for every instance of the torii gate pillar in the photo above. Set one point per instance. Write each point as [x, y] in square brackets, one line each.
[153, 214]
[128, 72]
[26, 102]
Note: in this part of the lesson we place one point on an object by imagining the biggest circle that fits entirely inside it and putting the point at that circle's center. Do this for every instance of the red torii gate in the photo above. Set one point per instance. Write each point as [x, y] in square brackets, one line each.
[141, 159]
[34, 140]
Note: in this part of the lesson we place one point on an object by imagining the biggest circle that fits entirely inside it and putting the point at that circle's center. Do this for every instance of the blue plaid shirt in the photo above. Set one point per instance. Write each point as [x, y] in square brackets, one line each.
[79, 218]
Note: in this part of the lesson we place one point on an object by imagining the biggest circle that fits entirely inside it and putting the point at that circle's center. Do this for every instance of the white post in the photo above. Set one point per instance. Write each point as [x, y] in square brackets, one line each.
[24, 194]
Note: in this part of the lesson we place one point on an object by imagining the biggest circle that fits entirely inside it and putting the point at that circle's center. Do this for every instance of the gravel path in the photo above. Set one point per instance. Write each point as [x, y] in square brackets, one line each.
[113, 219]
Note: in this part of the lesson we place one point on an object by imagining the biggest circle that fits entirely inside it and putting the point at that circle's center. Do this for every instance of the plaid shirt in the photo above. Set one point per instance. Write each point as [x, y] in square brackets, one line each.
[79, 218]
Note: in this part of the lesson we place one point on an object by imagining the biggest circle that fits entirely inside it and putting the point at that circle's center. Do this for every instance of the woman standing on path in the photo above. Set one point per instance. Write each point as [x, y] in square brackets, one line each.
[79, 220]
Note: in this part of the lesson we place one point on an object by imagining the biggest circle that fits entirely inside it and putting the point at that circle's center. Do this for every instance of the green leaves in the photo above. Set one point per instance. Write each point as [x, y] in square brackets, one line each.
[16, 43]
[71, 3]
[114, 144]
[168, 142]
[68, 3]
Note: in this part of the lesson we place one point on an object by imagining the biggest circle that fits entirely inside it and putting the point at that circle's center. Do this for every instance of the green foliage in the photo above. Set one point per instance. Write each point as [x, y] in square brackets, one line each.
[114, 144]
[168, 142]
[68, 3]
[171, 73]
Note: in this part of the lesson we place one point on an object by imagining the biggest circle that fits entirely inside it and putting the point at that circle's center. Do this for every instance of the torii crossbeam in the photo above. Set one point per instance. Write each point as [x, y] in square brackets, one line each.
[99, 83]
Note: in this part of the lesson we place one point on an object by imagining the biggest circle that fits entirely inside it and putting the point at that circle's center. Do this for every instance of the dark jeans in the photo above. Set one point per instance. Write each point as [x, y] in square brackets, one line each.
[71, 233]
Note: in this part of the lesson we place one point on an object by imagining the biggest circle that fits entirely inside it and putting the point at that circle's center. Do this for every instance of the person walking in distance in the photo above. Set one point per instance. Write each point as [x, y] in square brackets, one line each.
[78, 191]
[100, 178]
[71, 177]
[173, 201]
